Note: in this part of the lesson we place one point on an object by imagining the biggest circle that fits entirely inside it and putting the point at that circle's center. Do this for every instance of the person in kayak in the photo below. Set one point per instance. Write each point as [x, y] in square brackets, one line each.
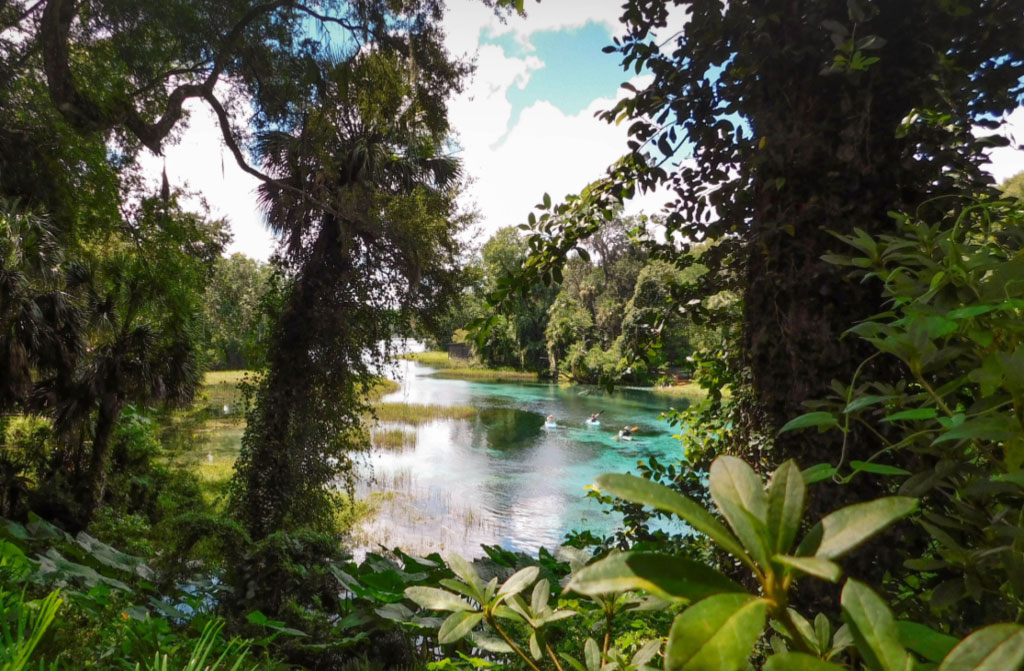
[593, 418]
[626, 432]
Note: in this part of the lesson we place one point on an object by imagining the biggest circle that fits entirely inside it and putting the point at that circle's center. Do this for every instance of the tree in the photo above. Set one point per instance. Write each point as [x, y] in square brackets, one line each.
[502, 256]
[1013, 187]
[236, 323]
[802, 119]
[363, 199]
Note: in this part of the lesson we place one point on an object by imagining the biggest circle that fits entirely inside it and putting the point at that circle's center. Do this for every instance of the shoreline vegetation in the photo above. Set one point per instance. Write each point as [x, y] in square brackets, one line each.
[466, 369]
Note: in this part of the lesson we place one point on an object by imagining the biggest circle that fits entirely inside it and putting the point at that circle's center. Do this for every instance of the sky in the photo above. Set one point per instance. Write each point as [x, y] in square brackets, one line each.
[525, 123]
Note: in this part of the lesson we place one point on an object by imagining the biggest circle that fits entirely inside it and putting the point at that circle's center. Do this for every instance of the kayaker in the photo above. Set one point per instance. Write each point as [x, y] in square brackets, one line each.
[593, 418]
[626, 432]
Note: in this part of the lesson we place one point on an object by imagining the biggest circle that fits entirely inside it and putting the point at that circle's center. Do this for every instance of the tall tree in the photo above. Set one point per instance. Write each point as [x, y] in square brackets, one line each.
[363, 198]
[771, 125]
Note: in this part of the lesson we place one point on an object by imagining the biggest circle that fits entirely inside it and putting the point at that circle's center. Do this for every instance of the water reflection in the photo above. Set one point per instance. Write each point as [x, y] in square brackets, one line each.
[503, 478]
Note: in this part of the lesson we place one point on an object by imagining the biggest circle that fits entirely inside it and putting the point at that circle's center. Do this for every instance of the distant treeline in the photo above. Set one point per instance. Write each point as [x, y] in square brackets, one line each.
[616, 301]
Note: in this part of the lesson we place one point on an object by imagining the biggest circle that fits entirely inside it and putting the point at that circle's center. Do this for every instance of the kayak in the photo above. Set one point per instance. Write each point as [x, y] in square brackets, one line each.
[594, 422]
[622, 436]
[551, 425]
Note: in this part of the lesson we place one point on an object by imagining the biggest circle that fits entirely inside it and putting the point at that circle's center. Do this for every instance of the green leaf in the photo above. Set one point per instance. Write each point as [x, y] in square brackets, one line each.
[540, 596]
[999, 647]
[817, 473]
[457, 626]
[660, 574]
[816, 566]
[433, 598]
[995, 428]
[465, 570]
[970, 311]
[881, 469]
[646, 653]
[535, 651]
[519, 581]
[490, 643]
[716, 634]
[645, 492]
[914, 414]
[741, 498]
[786, 491]
[863, 402]
[592, 654]
[820, 419]
[798, 661]
[461, 588]
[848, 527]
[930, 644]
[873, 628]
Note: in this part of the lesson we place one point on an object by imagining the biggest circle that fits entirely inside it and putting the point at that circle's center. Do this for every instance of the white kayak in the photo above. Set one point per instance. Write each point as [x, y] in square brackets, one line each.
[594, 422]
[551, 425]
[623, 436]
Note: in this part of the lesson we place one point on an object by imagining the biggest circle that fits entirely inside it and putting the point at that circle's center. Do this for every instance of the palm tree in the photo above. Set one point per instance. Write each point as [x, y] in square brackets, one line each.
[363, 207]
[40, 322]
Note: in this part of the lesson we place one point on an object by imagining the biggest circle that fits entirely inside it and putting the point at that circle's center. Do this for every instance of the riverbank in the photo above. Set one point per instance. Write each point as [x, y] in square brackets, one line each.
[465, 369]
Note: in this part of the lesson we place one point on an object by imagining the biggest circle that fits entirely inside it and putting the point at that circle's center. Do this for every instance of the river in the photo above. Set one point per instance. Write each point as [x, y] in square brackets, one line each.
[504, 478]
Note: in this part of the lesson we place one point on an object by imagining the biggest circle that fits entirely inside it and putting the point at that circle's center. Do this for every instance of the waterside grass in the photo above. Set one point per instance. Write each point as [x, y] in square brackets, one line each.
[407, 413]
[392, 438]
[465, 369]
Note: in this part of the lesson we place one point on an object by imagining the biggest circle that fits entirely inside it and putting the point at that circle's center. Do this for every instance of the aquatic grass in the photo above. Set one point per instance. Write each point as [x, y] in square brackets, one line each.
[436, 359]
[407, 413]
[393, 438]
[688, 390]
[382, 387]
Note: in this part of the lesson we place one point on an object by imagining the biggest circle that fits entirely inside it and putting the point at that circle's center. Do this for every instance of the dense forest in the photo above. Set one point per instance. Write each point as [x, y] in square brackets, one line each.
[833, 268]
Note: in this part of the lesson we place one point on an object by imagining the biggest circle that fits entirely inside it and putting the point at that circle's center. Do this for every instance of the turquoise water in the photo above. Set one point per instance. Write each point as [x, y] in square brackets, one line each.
[504, 478]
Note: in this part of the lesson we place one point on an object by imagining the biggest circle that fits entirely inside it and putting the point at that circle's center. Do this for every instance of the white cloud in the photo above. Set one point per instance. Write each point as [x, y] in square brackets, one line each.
[1006, 162]
[466, 20]
[200, 162]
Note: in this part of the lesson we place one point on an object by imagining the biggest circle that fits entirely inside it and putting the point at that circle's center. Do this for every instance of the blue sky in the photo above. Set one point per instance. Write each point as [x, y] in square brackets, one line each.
[525, 123]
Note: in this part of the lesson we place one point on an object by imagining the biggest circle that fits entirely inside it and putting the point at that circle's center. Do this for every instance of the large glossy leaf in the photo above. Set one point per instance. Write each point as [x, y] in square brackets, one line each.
[930, 644]
[457, 625]
[798, 661]
[740, 495]
[519, 581]
[786, 492]
[848, 527]
[490, 643]
[645, 492]
[433, 598]
[816, 566]
[463, 569]
[999, 647]
[873, 628]
[819, 419]
[664, 575]
[716, 634]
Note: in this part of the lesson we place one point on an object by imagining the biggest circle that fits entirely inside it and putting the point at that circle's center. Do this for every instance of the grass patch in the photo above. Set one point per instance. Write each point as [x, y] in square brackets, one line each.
[382, 387]
[436, 358]
[687, 390]
[487, 374]
[407, 413]
[393, 438]
[220, 388]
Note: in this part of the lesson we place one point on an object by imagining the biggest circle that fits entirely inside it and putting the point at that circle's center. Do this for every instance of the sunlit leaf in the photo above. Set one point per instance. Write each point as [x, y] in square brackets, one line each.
[716, 634]
[848, 527]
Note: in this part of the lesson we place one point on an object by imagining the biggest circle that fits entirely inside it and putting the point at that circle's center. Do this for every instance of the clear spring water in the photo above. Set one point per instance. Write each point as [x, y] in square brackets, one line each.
[504, 478]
